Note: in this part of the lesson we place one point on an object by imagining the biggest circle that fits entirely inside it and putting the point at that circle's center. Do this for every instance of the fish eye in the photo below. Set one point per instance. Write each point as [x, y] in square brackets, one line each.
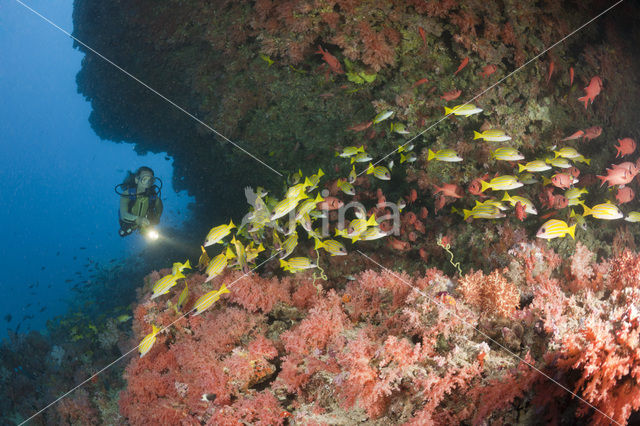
[544, 230]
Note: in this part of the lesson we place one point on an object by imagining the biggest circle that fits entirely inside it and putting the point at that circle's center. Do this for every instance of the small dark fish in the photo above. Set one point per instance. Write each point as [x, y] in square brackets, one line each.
[86, 265]
[167, 158]
[112, 260]
[7, 318]
[42, 269]
[67, 281]
[83, 248]
[31, 286]
[58, 254]
[49, 286]
[78, 273]
[43, 308]
[26, 317]
[75, 257]
[27, 305]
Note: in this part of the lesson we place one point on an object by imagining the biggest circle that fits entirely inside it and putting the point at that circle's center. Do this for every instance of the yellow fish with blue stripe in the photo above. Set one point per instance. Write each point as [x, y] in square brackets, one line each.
[381, 172]
[147, 343]
[507, 153]
[633, 217]
[289, 245]
[206, 300]
[307, 205]
[285, 206]
[492, 135]
[514, 199]
[567, 152]
[464, 110]
[216, 266]
[296, 264]
[179, 267]
[447, 155]
[217, 233]
[501, 183]
[164, 284]
[483, 211]
[182, 299]
[554, 228]
[333, 247]
[345, 187]
[350, 151]
[314, 180]
[606, 211]
[534, 166]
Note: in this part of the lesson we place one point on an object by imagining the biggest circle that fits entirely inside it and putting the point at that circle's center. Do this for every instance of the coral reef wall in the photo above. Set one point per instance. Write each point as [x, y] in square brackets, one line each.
[215, 60]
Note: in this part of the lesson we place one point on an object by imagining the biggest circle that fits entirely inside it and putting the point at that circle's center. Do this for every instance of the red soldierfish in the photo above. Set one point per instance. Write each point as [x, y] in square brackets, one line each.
[592, 133]
[576, 135]
[422, 36]
[419, 82]
[561, 180]
[360, 127]
[449, 190]
[626, 146]
[618, 175]
[330, 203]
[592, 90]
[463, 64]
[331, 60]
[398, 244]
[570, 76]
[625, 195]
[551, 67]
[451, 95]
[488, 70]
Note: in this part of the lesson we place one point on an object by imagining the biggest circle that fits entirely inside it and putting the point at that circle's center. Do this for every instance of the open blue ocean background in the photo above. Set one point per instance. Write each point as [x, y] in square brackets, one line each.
[59, 209]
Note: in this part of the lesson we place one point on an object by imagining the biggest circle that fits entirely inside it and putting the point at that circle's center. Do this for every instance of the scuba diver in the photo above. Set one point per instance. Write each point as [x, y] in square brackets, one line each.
[140, 203]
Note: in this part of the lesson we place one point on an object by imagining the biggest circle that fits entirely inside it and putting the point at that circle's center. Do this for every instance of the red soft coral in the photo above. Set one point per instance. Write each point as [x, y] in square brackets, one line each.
[492, 294]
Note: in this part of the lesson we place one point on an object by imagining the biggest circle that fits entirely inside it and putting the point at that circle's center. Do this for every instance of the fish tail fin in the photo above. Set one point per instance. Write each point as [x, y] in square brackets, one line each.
[187, 265]
[572, 231]
[545, 181]
[584, 99]
[476, 135]
[361, 149]
[466, 213]
[318, 244]
[573, 213]
[223, 289]
[587, 211]
[506, 197]
[484, 186]
[372, 220]
[588, 161]
[320, 173]
[521, 168]
[402, 158]
[283, 263]
[370, 169]
[448, 111]
[431, 155]
[231, 225]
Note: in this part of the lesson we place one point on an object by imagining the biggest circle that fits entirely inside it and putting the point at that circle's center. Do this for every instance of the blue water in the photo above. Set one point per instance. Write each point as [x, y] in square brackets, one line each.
[57, 177]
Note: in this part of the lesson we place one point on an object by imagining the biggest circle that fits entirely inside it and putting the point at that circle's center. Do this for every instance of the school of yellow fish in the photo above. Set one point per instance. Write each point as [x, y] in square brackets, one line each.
[263, 227]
